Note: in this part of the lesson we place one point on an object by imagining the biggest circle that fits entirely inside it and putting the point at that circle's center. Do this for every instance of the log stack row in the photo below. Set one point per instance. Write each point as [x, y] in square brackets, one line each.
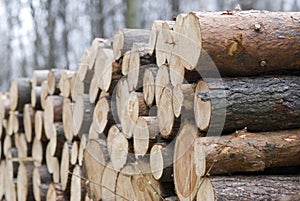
[150, 115]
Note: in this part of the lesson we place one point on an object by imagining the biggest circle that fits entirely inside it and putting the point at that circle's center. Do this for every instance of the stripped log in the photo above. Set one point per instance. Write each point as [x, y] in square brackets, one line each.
[19, 93]
[260, 104]
[28, 121]
[95, 159]
[124, 39]
[233, 48]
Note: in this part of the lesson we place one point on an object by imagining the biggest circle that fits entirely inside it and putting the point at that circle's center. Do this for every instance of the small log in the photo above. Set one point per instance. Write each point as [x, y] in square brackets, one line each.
[53, 78]
[234, 47]
[104, 68]
[251, 152]
[156, 27]
[35, 97]
[67, 117]
[139, 61]
[162, 79]
[256, 187]
[144, 135]
[53, 109]
[149, 85]
[24, 182]
[206, 190]
[164, 43]
[94, 90]
[82, 115]
[66, 167]
[124, 39]
[13, 123]
[44, 93]
[82, 145]
[57, 140]
[109, 181]
[4, 105]
[95, 159]
[19, 93]
[78, 88]
[28, 121]
[21, 145]
[185, 178]
[126, 62]
[2, 179]
[161, 162]
[55, 193]
[38, 77]
[40, 180]
[183, 101]
[77, 190]
[74, 153]
[102, 116]
[39, 128]
[117, 147]
[97, 44]
[64, 83]
[260, 104]
[37, 152]
[165, 113]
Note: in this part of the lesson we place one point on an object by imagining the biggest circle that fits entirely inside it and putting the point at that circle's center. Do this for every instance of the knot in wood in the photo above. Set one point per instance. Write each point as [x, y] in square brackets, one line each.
[204, 96]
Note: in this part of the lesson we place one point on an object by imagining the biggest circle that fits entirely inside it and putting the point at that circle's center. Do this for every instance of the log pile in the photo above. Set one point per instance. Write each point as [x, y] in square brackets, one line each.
[150, 115]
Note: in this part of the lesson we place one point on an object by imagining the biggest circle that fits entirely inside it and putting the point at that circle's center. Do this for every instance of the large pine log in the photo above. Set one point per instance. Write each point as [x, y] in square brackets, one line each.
[251, 152]
[262, 187]
[260, 104]
[252, 42]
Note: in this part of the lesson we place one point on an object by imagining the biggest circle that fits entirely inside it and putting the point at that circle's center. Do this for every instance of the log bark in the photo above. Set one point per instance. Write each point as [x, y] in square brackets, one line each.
[233, 48]
[95, 159]
[251, 152]
[19, 93]
[260, 187]
[124, 39]
[260, 104]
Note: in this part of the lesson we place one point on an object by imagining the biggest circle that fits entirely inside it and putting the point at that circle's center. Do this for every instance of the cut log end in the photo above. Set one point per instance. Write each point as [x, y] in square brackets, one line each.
[156, 161]
[202, 106]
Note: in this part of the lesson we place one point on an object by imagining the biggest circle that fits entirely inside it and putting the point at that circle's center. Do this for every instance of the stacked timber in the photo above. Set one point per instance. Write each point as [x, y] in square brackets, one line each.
[150, 115]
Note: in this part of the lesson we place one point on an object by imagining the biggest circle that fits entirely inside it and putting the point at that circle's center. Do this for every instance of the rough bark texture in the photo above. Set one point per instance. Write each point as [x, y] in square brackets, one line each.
[283, 188]
[252, 152]
[260, 104]
[250, 43]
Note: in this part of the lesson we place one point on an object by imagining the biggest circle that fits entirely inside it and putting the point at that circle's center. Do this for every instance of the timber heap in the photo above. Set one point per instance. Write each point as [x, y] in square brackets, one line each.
[138, 120]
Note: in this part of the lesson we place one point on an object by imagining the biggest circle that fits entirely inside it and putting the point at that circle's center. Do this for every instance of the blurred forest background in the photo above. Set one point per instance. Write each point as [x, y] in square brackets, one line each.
[43, 34]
